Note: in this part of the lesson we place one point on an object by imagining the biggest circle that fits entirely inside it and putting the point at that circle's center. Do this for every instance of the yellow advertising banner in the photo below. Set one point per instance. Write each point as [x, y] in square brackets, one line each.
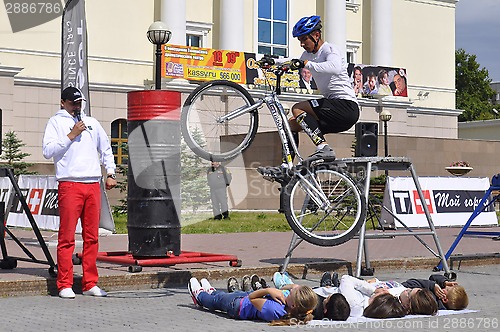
[205, 64]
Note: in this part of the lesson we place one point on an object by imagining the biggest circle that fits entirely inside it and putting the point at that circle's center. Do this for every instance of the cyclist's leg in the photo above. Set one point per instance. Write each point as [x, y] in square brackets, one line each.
[308, 121]
[336, 115]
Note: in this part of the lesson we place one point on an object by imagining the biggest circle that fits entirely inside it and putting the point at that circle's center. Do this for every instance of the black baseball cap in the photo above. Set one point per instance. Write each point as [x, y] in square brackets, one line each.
[72, 93]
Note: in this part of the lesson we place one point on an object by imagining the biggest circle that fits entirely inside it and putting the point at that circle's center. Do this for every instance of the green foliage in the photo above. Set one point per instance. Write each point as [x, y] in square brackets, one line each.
[378, 179]
[474, 93]
[12, 154]
[122, 184]
[194, 187]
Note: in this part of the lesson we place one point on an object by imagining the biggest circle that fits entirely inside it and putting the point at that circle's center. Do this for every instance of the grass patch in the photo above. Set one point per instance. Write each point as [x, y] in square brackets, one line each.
[120, 223]
[240, 222]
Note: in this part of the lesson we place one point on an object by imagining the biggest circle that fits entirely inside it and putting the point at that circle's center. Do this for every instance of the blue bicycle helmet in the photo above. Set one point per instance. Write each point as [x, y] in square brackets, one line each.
[306, 25]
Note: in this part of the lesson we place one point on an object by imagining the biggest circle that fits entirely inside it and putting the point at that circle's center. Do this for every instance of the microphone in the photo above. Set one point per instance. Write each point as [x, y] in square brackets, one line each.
[78, 116]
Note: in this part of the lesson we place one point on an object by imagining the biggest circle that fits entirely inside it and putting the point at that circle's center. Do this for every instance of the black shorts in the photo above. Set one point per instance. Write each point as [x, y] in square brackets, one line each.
[335, 115]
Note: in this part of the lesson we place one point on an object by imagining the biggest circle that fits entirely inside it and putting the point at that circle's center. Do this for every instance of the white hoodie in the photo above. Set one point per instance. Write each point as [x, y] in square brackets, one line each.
[77, 160]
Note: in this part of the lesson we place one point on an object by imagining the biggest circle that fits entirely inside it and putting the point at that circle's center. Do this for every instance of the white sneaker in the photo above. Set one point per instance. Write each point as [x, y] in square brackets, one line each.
[206, 286]
[95, 291]
[195, 289]
[66, 293]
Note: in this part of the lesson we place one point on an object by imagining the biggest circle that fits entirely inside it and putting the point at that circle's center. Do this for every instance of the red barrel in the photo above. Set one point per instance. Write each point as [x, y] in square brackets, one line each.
[154, 173]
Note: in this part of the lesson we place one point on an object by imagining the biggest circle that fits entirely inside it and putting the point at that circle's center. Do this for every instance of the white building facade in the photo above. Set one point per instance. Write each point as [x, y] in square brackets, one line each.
[418, 35]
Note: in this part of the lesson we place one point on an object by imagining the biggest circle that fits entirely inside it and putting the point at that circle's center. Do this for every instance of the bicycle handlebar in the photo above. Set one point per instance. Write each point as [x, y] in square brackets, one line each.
[268, 65]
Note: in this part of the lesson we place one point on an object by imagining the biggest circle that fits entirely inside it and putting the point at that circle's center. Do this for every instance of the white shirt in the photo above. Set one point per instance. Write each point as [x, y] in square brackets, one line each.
[78, 160]
[329, 69]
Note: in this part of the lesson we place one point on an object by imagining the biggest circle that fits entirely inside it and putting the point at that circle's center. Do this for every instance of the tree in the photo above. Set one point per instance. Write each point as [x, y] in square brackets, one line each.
[122, 184]
[13, 155]
[474, 93]
[194, 188]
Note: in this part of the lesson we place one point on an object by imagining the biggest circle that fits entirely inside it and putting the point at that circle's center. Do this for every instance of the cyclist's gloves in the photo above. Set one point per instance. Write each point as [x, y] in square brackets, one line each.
[266, 61]
[296, 64]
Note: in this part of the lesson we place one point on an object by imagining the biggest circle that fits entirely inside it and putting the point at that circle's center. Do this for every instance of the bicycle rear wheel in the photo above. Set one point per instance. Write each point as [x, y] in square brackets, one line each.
[201, 125]
[338, 220]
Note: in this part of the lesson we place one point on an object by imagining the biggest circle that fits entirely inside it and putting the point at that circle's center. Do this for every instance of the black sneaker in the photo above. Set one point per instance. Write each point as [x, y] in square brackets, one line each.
[274, 173]
[258, 282]
[326, 153]
[335, 279]
[246, 283]
[326, 280]
[232, 285]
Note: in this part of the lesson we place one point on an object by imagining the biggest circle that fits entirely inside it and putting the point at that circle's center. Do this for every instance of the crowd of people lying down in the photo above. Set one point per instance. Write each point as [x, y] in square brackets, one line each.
[334, 299]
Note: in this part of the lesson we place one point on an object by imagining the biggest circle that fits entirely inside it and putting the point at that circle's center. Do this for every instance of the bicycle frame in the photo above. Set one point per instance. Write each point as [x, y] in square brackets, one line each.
[278, 114]
[285, 133]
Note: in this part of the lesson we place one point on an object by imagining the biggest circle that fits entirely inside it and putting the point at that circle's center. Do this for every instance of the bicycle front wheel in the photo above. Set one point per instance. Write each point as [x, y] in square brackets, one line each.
[202, 120]
[330, 222]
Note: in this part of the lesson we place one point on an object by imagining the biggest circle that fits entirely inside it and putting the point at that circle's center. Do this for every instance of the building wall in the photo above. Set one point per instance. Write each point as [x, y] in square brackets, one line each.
[426, 50]
[480, 130]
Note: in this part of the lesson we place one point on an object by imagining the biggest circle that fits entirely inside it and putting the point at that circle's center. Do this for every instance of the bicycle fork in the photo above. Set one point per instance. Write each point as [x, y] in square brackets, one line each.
[310, 186]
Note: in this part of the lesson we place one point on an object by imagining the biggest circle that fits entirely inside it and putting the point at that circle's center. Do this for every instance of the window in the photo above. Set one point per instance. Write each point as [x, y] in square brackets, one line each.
[196, 34]
[119, 139]
[273, 27]
[192, 40]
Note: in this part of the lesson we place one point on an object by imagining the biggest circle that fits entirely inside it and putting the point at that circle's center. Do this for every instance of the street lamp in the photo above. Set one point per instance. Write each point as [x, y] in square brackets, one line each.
[158, 34]
[385, 116]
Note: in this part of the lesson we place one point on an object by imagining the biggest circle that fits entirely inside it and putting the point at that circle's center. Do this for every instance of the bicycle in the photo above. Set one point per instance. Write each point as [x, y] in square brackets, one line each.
[322, 203]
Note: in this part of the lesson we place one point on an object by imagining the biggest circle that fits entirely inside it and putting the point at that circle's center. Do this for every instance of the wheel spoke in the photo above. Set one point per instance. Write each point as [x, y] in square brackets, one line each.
[335, 222]
[202, 129]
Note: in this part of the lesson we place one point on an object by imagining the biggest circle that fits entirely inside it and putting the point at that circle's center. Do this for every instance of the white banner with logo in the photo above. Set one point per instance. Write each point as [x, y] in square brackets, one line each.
[40, 193]
[450, 200]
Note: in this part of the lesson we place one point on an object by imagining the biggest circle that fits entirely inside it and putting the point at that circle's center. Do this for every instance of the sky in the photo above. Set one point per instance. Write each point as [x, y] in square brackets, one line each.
[477, 25]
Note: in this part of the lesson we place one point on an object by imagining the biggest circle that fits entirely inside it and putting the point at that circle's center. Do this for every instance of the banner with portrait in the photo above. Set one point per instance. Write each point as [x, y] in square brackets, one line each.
[205, 64]
[373, 81]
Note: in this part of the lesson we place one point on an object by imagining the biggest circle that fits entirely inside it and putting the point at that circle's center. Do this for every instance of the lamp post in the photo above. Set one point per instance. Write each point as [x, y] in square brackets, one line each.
[158, 34]
[385, 116]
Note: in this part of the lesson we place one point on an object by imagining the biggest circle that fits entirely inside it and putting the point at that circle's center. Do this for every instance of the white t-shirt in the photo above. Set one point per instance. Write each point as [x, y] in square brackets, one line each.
[329, 69]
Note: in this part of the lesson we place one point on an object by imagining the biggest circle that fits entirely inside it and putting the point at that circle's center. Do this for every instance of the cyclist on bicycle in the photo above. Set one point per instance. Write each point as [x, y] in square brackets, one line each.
[336, 112]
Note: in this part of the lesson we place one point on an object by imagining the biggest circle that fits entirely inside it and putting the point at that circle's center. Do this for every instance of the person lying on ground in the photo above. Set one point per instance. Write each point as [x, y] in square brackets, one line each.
[361, 297]
[448, 294]
[267, 304]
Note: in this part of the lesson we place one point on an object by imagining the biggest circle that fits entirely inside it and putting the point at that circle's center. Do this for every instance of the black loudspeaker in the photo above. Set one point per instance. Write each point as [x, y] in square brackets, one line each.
[366, 139]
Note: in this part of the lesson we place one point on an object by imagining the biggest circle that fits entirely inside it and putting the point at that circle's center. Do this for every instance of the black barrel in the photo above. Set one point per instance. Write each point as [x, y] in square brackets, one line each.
[154, 173]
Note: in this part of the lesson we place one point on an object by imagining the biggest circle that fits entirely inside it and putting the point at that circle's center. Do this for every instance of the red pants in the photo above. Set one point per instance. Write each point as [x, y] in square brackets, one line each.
[78, 200]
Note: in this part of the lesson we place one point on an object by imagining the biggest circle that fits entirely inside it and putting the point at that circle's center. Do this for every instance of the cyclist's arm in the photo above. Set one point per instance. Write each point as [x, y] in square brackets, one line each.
[332, 65]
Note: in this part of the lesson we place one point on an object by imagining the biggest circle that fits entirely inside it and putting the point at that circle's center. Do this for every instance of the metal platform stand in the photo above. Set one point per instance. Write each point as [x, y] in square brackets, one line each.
[135, 263]
[10, 262]
[366, 164]
[482, 206]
